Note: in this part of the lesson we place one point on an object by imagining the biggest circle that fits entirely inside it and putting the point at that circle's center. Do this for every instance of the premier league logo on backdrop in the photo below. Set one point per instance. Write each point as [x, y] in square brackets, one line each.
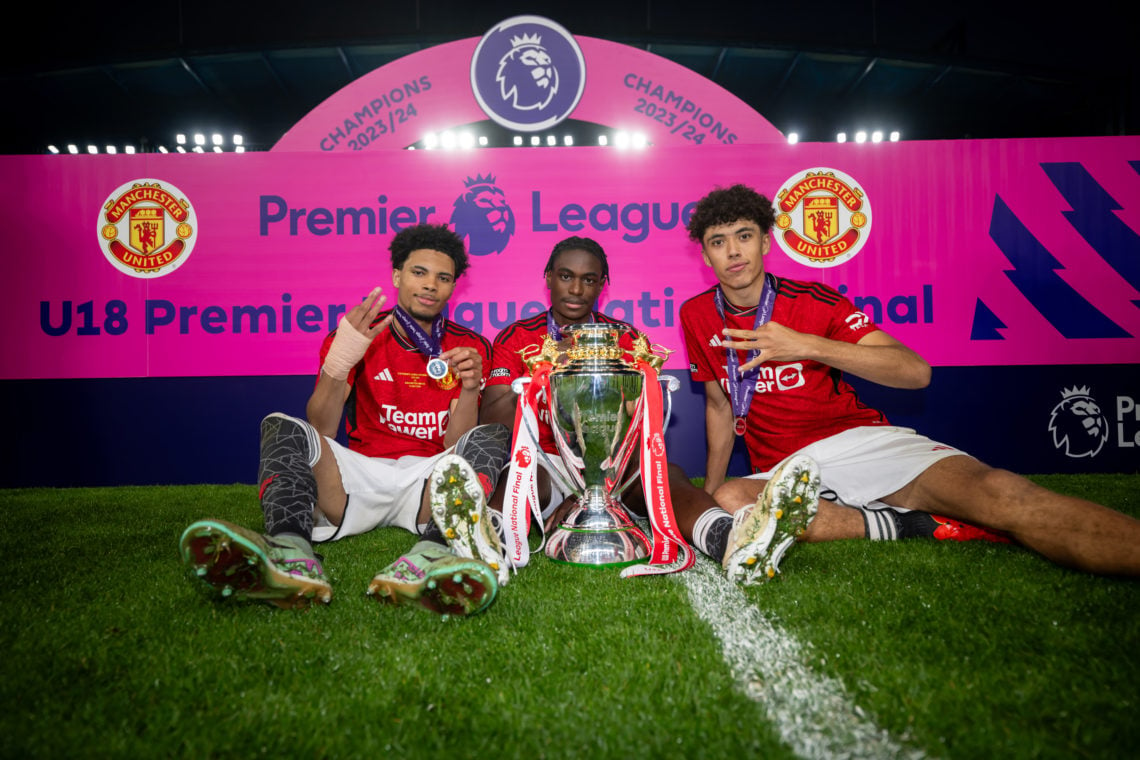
[483, 216]
[528, 73]
[1077, 424]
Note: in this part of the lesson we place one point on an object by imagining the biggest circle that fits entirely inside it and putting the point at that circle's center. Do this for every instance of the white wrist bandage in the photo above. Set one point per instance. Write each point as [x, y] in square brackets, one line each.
[346, 351]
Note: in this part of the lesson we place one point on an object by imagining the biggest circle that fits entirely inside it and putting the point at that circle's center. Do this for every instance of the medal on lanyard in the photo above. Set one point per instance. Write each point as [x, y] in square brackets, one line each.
[428, 345]
[740, 392]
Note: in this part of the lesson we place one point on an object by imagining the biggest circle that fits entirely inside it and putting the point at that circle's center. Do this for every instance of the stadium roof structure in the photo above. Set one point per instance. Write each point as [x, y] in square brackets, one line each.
[139, 73]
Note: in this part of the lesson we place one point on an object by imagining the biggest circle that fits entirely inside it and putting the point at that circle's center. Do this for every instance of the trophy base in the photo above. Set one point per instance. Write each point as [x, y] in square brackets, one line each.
[598, 538]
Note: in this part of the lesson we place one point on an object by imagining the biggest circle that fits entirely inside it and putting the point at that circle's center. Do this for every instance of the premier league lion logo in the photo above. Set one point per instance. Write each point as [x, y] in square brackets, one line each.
[527, 76]
[1077, 424]
[482, 215]
[528, 73]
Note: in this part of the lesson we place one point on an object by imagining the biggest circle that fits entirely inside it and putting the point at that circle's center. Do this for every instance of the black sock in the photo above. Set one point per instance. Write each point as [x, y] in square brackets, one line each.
[487, 449]
[289, 449]
[916, 524]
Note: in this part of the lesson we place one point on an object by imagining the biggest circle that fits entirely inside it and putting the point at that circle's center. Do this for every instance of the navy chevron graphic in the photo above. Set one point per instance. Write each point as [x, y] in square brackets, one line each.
[1092, 216]
[1034, 274]
[986, 323]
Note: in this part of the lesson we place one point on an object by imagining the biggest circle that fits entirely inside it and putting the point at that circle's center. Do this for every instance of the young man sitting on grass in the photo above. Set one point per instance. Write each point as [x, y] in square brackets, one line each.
[407, 382]
[896, 480]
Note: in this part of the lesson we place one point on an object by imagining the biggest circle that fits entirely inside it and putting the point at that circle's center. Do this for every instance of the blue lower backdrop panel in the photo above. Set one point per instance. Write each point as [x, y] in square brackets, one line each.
[1071, 418]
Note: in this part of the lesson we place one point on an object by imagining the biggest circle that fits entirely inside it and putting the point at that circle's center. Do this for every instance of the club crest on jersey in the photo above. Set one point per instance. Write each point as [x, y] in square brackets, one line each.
[823, 217]
[448, 381]
[147, 228]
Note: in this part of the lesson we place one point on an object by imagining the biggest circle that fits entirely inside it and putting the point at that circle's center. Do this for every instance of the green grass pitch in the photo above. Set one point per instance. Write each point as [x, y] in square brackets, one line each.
[953, 650]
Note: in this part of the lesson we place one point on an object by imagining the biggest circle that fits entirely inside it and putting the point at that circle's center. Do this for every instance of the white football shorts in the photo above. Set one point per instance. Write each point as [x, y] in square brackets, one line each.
[864, 464]
[381, 492]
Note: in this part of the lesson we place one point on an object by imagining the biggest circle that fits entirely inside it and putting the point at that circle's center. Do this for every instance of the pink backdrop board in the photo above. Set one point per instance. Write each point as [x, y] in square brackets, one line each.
[1018, 252]
[625, 88]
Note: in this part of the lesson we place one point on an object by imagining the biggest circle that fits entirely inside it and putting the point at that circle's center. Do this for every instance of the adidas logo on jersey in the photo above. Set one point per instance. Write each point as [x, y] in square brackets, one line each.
[715, 341]
[385, 374]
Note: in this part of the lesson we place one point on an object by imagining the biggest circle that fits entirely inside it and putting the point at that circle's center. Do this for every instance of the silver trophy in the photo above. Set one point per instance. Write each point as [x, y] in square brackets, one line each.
[595, 415]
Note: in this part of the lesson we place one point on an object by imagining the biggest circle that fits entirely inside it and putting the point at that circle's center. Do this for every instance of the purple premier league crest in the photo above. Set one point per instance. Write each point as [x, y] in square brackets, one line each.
[528, 73]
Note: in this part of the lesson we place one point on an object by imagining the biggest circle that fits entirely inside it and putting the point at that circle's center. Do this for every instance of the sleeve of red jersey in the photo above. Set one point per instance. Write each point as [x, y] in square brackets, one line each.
[485, 350]
[847, 323]
[700, 368]
[506, 364]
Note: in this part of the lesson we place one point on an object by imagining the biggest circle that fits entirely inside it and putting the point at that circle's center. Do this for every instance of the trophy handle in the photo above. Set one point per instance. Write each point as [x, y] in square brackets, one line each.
[517, 386]
[672, 385]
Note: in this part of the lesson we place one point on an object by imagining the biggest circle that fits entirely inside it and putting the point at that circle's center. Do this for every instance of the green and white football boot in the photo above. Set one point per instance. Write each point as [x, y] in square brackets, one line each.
[763, 532]
[241, 564]
[436, 580]
[459, 509]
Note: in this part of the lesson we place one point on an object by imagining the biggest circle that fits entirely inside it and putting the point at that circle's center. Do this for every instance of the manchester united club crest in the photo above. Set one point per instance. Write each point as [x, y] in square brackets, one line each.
[823, 218]
[147, 228]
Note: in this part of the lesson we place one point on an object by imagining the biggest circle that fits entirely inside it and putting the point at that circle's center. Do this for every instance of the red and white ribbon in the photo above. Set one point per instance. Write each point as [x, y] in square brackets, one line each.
[670, 553]
[520, 500]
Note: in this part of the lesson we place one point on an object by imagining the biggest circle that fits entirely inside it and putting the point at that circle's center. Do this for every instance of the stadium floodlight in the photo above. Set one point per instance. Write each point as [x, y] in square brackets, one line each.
[199, 139]
[518, 140]
[895, 136]
[52, 149]
[180, 139]
[482, 141]
[621, 139]
[535, 140]
[466, 140]
[217, 148]
[603, 140]
[861, 136]
[639, 140]
[841, 137]
[551, 140]
[877, 136]
[92, 149]
[111, 150]
[129, 150]
[431, 141]
[216, 139]
[448, 140]
[793, 138]
[199, 149]
[181, 149]
[241, 148]
[162, 149]
[239, 140]
[568, 140]
[72, 148]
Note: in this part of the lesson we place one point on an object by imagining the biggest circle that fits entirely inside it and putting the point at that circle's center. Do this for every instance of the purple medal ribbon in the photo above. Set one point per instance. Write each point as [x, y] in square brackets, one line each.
[552, 327]
[739, 392]
[430, 346]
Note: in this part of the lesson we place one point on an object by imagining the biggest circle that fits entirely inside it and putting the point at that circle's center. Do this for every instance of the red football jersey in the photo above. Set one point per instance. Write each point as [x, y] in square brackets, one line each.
[394, 408]
[507, 361]
[796, 403]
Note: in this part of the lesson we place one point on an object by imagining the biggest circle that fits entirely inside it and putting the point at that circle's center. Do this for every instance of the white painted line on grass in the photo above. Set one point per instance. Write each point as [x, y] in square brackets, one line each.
[812, 712]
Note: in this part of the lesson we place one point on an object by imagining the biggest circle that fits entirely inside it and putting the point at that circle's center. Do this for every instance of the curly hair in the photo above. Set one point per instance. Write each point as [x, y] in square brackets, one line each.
[579, 244]
[724, 206]
[433, 237]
